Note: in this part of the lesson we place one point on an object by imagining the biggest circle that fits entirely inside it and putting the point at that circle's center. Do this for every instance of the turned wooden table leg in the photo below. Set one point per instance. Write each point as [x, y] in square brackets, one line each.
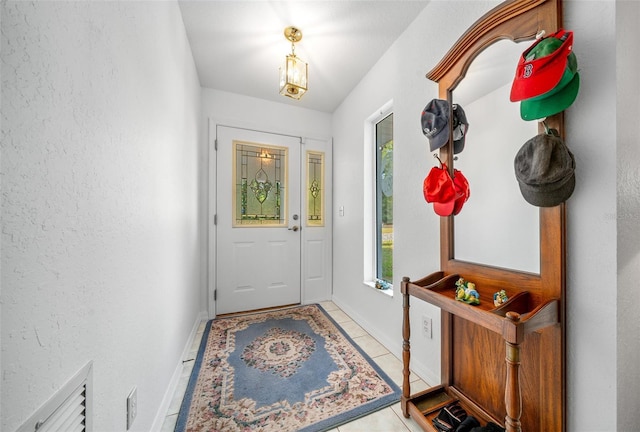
[512, 395]
[406, 348]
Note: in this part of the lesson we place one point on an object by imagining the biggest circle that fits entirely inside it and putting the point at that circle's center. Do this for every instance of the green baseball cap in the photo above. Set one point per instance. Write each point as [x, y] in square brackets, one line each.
[558, 98]
[542, 66]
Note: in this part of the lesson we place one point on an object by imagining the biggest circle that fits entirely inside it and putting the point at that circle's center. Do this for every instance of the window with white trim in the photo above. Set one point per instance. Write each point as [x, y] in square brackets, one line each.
[384, 200]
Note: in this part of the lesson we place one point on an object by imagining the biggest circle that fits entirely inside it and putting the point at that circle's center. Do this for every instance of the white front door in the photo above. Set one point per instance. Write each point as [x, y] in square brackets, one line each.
[258, 235]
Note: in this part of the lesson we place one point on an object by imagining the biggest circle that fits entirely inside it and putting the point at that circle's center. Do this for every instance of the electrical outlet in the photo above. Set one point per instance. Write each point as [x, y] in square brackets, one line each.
[427, 327]
[132, 407]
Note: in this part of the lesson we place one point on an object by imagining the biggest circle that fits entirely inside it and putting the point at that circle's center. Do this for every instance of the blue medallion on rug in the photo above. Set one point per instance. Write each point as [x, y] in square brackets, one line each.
[290, 369]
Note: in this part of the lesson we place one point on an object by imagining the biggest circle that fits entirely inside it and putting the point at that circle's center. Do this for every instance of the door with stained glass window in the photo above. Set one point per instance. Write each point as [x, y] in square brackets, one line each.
[258, 220]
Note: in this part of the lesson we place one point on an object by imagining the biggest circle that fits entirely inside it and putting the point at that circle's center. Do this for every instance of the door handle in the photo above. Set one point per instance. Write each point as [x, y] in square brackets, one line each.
[294, 228]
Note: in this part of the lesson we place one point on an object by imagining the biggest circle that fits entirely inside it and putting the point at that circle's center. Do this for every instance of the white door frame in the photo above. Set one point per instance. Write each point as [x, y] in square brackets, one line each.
[317, 244]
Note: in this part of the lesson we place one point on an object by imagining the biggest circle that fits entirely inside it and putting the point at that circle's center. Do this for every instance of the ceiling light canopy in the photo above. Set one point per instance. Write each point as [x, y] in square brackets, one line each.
[294, 73]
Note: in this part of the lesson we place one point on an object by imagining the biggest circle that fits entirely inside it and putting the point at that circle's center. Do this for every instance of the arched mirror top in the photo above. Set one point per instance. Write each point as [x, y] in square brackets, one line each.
[514, 20]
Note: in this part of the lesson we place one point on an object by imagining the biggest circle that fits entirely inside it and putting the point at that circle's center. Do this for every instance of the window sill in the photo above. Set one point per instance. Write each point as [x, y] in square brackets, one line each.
[388, 292]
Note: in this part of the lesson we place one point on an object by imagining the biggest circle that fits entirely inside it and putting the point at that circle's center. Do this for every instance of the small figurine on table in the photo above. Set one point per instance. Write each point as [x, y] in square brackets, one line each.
[500, 297]
[466, 292]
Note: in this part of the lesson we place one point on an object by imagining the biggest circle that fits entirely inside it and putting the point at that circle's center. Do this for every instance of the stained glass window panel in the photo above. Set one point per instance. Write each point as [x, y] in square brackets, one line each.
[260, 185]
[315, 188]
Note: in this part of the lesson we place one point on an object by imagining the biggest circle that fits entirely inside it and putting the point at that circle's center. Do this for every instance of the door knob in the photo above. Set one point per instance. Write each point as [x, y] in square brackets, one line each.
[294, 228]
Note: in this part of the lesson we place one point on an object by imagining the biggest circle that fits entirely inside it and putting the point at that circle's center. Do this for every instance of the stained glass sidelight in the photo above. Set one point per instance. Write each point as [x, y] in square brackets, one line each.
[259, 189]
[315, 188]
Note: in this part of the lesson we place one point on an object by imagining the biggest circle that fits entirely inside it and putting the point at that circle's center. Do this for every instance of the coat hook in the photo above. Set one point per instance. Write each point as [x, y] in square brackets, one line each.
[546, 126]
[540, 34]
[548, 130]
[435, 155]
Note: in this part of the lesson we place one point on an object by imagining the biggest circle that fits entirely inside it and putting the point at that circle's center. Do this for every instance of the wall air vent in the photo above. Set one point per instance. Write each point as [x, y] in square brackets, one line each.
[69, 410]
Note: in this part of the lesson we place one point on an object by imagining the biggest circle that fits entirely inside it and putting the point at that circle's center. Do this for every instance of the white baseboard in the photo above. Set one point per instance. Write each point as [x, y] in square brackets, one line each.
[394, 346]
[175, 378]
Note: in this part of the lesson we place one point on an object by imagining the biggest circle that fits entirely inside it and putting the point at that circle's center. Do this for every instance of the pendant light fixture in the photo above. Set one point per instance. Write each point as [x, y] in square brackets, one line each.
[295, 72]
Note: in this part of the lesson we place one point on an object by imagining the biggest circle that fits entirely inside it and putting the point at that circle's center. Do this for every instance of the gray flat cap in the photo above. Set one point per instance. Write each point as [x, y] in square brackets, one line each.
[545, 170]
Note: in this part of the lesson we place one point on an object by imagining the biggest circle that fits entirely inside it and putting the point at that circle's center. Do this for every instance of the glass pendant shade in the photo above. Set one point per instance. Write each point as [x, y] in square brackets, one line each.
[293, 77]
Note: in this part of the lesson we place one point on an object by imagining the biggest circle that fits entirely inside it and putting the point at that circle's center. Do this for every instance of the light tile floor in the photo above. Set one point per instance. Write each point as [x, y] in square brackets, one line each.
[385, 420]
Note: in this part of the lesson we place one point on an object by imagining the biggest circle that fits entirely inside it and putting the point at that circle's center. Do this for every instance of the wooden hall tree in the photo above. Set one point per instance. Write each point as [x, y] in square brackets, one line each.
[517, 350]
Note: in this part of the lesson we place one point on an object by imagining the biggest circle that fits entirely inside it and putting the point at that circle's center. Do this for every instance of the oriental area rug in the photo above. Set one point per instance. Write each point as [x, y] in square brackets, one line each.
[290, 369]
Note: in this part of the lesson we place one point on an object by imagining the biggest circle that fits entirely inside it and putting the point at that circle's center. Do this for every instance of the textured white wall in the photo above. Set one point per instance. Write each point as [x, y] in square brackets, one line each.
[592, 219]
[101, 234]
[628, 148]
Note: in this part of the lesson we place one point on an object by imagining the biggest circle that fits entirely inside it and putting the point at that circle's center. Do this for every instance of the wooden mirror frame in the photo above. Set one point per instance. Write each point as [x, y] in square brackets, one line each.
[517, 20]
[530, 372]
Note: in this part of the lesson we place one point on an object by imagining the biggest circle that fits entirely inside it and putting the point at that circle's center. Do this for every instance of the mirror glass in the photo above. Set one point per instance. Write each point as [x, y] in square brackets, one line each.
[496, 226]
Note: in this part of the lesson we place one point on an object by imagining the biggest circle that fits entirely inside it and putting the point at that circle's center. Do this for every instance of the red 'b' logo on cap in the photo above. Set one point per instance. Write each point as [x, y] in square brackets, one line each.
[528, 70]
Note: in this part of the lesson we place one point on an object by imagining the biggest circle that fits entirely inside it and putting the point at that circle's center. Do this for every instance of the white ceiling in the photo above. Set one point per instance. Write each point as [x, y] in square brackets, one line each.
[238, 45]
